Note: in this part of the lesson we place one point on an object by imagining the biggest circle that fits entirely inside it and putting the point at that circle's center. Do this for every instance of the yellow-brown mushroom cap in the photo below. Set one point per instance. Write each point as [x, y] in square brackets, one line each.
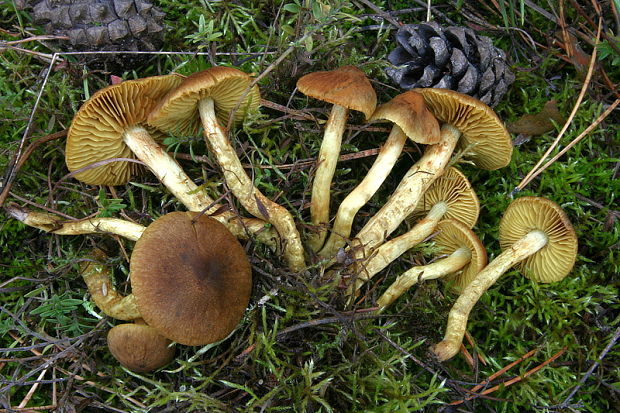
[191, 278]
[345, 86]
[139, 347]
[178, 113]
[408, 110]
[452, 235]
[97, 129]
[484, 136]
[454, 189]
[556, 259]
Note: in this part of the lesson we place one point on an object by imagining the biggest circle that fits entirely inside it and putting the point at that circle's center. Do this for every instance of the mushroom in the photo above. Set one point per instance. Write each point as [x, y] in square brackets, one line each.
[466, 256]
[411, 120]
[467, 122]
[56, 225]
[98, 279]
[536, 235]
[207, 98]
[111, 125]
[139, 347]
[450, 196]
[347, 88]
[191, 278]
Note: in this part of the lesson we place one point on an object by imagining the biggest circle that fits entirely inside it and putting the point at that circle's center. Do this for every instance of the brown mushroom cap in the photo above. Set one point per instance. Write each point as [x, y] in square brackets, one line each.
[484, 135]
[191, 278]
[97, 129]
[345, 86]
[409, 112]
[178, 111]
[555, 260]
[139, 347]
[452, 235]
[454, 189]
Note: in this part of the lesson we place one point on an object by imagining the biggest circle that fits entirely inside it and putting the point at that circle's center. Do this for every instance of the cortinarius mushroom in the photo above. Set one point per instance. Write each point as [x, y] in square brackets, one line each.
[466, 256]
[536, 235]
[207, 98]
[191, 278]
[139, 347]
[347, 88]
[411, 120]
[466, 122]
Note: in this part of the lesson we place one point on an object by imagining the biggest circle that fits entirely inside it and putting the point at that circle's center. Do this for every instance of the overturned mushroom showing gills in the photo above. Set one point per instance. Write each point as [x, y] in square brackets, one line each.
[412, 120]
[465, 257]
[347, 88]
[112, 124]
[450, 196]
[98, 279]
[207, 98]
[57, 225]
[537, 237]
[466, 123]
[139, 347]
[191, 278]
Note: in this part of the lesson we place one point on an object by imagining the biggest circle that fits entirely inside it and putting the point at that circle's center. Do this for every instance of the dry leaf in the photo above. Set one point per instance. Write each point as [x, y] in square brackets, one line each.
[537, 124]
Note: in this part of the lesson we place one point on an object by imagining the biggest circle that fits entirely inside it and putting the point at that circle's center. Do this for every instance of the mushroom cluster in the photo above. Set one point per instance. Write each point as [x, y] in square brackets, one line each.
[190, 277]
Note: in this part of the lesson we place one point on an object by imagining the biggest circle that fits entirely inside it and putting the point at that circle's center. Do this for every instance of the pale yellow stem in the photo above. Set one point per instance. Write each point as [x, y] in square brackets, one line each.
[406, 196]
[170, 173]
[391, 250]
[105, 296]
[440, 268]
[457, 319]
[380, 169]
[326, 166]
[244, 190]
[57, 225]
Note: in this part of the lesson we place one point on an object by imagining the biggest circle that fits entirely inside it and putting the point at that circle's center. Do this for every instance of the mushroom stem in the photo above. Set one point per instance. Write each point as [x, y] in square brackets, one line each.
[457, 318]
[106, 297]
[56, 225]
[391, 250]
[411, 188]
[387, 157]
[452, 263]
[170, 173]
[326, 166]
[242, 187]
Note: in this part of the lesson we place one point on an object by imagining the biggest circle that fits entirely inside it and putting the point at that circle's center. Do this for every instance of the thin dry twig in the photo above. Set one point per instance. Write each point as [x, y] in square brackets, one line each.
[527, 179]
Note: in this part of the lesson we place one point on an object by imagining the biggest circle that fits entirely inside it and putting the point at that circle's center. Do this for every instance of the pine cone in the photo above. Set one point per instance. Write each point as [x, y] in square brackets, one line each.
[456, 58]
[100, 24]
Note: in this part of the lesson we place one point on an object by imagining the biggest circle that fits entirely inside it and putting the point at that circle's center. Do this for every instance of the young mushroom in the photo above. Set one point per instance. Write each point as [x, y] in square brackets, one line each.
[191, 278]
[450, 196]
[411, 120]
[347, 88]
[207, 98]
[468, 124]
[139, 347]
[535, 235]
[112, 124]
[465, 257]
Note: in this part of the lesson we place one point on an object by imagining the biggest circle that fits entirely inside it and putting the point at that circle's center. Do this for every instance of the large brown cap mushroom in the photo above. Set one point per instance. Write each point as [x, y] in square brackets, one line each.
[453, 189]
[178, 111]
[139, 347]
[452, 235]
[409, 112]
[98, 128]
[191, 278]
[483, 134]
[556, 259]
[345, 86]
